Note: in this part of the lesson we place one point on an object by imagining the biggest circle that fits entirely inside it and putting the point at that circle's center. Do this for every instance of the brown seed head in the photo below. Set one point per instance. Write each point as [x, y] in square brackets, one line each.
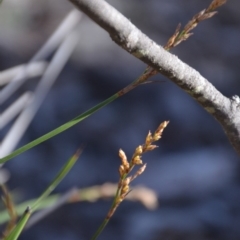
[158, 132]
[123, 157]
[215, 4]
[126, 181]
[148, 138]
[121, 170]
[124, 190]
[151, 147]
[172, 39]
[156, 137]
[119, 200]
[139, 172]
[138, 150]
[141, 169]
[137, 160]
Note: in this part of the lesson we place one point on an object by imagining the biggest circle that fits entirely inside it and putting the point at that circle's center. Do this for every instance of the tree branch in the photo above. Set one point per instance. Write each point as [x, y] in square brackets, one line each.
[226, 111]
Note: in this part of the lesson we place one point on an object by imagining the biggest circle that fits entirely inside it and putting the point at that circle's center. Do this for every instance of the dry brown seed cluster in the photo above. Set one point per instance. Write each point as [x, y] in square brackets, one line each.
[127, 166]
[180, 36]
[7, 201]
[215, 4]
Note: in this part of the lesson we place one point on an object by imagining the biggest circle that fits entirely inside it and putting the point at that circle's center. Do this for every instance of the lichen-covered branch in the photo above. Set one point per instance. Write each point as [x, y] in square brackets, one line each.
[226, 111]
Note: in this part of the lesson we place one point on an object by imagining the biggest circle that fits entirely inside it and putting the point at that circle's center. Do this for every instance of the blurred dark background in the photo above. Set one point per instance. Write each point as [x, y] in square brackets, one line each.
[195, 171]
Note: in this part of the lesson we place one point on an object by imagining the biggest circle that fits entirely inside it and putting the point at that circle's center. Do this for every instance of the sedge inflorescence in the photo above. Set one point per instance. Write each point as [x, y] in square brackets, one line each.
[183, 35]
[127, 166]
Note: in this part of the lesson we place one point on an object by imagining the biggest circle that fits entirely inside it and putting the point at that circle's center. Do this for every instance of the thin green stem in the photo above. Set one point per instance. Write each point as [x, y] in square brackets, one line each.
[20, 225]
[107, 218]
[111, 210]
[62, 173]
[59, 129]
[100, 229]
[76, 120]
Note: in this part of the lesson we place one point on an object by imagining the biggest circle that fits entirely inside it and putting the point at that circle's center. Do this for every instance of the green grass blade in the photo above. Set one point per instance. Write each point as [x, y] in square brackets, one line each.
[36, 203]
[62, 173]
[59, 129]
[20, 225]
[47, 202]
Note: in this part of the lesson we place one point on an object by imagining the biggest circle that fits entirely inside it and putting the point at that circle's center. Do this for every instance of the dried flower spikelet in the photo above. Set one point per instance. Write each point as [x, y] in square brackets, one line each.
[121, 170]
[156, 137]
[215, 4]
[125, 186]
[207, 15]
[138, 150]
[186, 36]
[158, 132]
[194, 22]
[199, 15]
[119, 200]
[137, 160]
[148, 138]
[177, 42]
[141, 169]
[162, 126]
[190, 26]
[172, 39]
[139, 172]
[151, 147]
[123, 157]
[125, 190]
[126, 181]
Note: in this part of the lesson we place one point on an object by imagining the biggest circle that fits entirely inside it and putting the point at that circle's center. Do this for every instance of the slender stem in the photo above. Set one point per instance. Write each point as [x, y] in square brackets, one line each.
[107, 218]
[112, 208]
[77, 119]
[100, 229]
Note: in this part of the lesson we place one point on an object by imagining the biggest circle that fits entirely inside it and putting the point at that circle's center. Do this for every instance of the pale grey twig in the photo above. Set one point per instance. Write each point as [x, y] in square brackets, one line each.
[55, 66]
[14, 109]
[68, 24]
[34, 69]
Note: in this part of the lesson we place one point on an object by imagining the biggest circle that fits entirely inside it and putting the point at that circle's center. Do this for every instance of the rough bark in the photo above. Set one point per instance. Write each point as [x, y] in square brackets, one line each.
[226, 111]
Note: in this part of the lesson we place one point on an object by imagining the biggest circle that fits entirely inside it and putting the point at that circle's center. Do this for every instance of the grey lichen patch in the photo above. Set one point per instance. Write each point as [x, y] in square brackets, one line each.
[139, 53]
[210, 109]
[201, 99]
[236, 99]
[198, 89]
[132, 39]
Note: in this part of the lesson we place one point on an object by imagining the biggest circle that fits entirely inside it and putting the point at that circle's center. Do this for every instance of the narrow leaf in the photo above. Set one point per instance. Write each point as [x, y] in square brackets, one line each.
[58, 130]
[20, 225]
[62, 173]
